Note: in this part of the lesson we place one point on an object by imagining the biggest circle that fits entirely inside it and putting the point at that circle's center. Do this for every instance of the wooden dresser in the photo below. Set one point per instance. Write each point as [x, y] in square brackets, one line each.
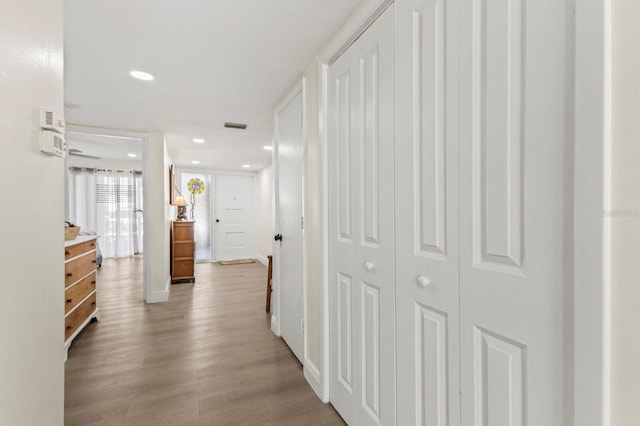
[80, 270]
[183, 249]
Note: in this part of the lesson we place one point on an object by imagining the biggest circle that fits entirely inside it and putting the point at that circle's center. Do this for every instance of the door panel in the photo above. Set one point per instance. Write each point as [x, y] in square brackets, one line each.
[344, 309]
[512, 96]
[361, 182]
[289, 259]
[234, 225]
[427, 283]
[499, 376]
[375, 251]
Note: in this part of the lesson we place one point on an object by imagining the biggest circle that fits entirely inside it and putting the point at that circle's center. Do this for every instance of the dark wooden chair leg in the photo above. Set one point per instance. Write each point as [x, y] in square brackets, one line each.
[269, 277]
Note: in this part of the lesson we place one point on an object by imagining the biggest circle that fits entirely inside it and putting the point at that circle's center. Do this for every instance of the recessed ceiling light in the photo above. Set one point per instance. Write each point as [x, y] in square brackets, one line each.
[195, 162]
[197, 140]
[246, 166]
[141, 75]
[268, 147]
[132, 155]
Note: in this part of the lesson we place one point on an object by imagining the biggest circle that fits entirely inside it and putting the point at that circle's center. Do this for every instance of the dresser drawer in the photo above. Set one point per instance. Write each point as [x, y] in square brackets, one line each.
[183, 249]
[74, 294]
[79, 315]
[78, 249]
[182, 269]
[182, 231]
[78, 268]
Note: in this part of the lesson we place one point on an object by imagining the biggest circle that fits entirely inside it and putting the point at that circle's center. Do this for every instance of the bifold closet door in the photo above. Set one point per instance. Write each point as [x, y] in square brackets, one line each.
[513, 218]
[427, 283]
[361, 221]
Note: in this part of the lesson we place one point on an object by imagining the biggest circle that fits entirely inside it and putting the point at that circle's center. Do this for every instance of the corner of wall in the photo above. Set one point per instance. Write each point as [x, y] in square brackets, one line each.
[159, 296]
[275, 325]
[312, 375]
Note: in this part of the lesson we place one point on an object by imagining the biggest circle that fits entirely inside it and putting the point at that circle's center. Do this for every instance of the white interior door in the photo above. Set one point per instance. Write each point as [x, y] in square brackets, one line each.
[427, 284]
[512, 217]
[235, 217]
[361, 241]
[290, 260]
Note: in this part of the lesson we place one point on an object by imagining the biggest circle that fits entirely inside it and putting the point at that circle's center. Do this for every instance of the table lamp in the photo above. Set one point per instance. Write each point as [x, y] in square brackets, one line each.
[181, 202]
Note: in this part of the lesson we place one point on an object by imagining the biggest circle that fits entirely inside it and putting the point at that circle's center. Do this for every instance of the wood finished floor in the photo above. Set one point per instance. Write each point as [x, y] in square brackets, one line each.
[206, 357]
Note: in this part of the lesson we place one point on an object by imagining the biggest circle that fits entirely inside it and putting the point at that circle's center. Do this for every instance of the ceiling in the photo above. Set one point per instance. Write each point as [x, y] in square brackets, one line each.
[213, 61]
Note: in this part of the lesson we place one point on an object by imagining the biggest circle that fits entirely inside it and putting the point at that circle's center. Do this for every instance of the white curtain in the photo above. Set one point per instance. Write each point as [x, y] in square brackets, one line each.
[109, 202]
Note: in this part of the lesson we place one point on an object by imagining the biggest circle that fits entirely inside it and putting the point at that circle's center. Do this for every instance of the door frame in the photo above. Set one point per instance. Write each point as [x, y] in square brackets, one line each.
[591, 192]
[589, 110]
[296, 90]
[149, 250]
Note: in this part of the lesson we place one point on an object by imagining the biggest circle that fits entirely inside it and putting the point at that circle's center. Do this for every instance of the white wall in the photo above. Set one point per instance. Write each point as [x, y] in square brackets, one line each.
[264, 212]
[625, 215]
[31, 230]
[313, 222]
[158, 214]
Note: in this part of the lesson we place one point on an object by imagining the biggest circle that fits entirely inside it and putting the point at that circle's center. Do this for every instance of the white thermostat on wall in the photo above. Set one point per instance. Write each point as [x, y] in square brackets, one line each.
[51, 120]
[52, 143]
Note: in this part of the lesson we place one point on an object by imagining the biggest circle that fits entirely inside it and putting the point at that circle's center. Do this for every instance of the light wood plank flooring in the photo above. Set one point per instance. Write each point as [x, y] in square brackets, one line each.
[207, 357]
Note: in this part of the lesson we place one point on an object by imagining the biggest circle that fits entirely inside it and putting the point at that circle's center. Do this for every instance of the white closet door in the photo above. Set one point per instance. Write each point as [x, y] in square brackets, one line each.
[343, 309]
[361, 170]
[427, 284]
[512, 213]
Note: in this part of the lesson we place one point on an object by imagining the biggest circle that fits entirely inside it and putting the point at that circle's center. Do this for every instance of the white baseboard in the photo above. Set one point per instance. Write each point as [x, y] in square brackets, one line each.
[262, 259]
[160, 296]
[312, 374]
[275, 326]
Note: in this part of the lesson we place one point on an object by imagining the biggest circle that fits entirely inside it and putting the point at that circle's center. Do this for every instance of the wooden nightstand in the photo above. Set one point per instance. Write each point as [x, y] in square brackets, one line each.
[183, 248]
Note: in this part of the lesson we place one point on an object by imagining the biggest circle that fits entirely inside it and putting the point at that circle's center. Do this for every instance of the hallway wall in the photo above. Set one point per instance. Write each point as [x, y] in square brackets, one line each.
[312, 166]
[157, 276]
[32, 234]
[264, 212]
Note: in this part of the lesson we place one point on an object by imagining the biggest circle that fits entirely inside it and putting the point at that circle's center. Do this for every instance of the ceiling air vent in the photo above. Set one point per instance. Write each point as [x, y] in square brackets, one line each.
[235, 126]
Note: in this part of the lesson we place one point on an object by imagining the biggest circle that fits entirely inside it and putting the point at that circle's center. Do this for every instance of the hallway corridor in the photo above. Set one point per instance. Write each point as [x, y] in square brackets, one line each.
[207, 357]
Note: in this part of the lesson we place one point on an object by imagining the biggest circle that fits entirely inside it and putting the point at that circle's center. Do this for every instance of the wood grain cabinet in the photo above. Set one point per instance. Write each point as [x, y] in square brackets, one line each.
[182, 251]
[80, 269]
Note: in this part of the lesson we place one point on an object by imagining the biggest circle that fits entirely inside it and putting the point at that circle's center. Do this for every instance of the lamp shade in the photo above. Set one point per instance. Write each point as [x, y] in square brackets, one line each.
[179, 201]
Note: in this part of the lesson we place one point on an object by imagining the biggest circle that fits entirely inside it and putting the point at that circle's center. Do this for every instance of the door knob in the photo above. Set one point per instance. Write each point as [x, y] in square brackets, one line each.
[278, 237]
[217, 220]
[423, 281]
[369, 266]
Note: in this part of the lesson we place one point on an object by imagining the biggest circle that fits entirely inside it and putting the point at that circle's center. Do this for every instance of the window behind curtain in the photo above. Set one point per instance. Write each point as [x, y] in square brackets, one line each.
[202, 216]
[110, 203]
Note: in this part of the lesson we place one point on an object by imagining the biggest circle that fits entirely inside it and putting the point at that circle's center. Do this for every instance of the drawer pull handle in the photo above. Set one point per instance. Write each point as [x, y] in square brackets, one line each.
[93, 282]
[69, 274]
[69, 301]
[93, 245]
[68, 327]
[93, 303]
[93, 261]
[67, 253]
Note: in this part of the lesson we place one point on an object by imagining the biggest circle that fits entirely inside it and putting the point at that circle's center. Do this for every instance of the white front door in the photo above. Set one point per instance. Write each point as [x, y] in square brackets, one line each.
[361, 239]
[235, 217]
[513, 215]
[289, 261]
[426, 129]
